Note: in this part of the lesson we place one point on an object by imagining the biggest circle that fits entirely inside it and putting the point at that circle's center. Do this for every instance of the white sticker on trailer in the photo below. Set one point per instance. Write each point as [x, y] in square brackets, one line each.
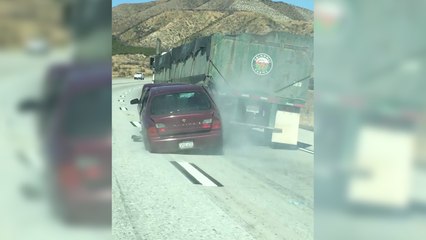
[298, 84]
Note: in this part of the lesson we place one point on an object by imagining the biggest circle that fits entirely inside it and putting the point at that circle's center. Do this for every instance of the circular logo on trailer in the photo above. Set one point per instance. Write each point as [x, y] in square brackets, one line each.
[261, 64]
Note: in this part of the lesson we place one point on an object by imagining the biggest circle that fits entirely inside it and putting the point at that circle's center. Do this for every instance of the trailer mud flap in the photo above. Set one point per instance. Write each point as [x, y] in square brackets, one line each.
[382, 177]
[289, 123]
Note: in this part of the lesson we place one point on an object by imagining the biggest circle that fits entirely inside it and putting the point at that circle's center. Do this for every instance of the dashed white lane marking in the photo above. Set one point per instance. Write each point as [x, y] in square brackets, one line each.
[121, 100]
[136, 124]
[123, 108]
[306, 150]
[197, 174]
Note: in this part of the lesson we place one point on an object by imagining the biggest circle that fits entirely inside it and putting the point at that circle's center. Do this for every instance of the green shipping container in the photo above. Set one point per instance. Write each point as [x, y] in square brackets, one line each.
[276, 65]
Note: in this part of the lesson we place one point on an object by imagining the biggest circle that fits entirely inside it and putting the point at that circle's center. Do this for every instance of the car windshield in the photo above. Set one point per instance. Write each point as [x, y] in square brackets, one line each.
[87, 114]
[179, 103]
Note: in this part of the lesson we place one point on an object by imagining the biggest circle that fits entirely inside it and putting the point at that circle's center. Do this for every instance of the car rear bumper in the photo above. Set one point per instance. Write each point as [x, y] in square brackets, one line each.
[98, 196]
[83, 206]
[208, 140]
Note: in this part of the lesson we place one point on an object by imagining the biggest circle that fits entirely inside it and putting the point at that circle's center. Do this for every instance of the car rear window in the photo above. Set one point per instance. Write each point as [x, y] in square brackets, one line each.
[88, 113]
[179, 103]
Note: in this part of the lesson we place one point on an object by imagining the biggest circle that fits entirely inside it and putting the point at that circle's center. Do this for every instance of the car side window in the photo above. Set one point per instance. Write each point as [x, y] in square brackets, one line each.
[144, 98]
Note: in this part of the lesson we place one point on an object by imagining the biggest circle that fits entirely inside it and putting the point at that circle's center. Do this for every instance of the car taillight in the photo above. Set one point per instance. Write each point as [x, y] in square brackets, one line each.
[216, 124]
[152, 132]
[69, 175]
[206, 124]
[161, 127]
[89, 166]
[73, 173]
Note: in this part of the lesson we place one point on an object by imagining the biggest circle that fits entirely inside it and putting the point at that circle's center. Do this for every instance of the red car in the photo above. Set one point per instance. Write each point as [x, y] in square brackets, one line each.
[179, 117]
[75, 122]
[81, 144]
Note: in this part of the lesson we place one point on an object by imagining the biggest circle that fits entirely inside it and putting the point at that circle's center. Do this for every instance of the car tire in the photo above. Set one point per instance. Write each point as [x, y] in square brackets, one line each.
[145, 144]
[60, 208]
[267, 136]
[148, 147]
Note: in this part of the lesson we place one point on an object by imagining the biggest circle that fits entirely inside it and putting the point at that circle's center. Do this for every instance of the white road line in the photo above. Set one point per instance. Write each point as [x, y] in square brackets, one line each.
[197, 174]
[136, 124]
[122, 96]
[123, 108]
[121, 100]
[306, 150]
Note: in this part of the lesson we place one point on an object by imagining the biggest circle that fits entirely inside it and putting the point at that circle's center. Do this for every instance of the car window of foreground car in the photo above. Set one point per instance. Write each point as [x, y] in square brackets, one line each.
[88, 115]
[180, 103]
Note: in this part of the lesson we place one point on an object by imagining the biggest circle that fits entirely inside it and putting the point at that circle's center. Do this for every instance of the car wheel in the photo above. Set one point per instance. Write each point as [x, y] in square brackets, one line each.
[145, 146]
[151, 150]
[145, 142]
[148, 146]
[60, 208]
[267, 138]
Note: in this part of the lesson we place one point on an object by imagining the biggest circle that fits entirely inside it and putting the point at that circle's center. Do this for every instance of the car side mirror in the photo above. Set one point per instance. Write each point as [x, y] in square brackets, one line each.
[29, 105]
[135, 101]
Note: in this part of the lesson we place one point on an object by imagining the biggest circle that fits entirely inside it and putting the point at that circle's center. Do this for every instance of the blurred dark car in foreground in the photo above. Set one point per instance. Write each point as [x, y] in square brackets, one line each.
[179, 117]
[75, 127]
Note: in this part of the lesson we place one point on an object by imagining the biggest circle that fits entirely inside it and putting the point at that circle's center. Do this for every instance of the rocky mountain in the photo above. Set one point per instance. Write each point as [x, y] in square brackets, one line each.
[177, 21]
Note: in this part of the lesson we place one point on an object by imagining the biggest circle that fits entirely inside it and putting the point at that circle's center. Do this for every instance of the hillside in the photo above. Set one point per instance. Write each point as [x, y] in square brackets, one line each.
[23, 21]
[177, 21]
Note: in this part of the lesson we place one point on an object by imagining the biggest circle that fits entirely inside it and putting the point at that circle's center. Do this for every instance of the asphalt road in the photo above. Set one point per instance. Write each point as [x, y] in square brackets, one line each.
[257, 192]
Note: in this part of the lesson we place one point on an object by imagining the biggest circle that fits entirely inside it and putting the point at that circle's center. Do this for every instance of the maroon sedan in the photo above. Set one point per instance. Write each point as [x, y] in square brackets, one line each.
[179, 117]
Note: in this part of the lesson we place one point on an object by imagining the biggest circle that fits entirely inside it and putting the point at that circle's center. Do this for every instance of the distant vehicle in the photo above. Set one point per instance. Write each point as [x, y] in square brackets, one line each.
[179, 117]
[37, 46]
[259, 82]
[138, 76]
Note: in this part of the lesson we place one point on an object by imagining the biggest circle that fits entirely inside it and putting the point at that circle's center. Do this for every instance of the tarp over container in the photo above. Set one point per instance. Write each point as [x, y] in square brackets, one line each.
[265, 65]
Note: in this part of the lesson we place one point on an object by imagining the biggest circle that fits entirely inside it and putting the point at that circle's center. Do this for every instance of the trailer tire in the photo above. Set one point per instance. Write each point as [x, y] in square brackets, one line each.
[267, 135]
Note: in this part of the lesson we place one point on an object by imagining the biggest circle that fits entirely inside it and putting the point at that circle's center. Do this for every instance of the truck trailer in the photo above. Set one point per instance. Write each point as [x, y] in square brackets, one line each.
[258, 81]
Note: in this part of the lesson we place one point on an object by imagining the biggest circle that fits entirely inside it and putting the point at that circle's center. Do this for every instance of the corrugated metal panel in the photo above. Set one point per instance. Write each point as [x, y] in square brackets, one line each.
[264, 65]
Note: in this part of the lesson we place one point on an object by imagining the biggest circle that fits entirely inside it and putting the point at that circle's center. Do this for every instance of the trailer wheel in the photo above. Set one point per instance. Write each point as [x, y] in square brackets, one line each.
[267, 135]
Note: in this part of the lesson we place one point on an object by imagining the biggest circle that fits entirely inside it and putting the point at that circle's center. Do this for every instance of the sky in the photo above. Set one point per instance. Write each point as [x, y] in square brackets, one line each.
[309, 4]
